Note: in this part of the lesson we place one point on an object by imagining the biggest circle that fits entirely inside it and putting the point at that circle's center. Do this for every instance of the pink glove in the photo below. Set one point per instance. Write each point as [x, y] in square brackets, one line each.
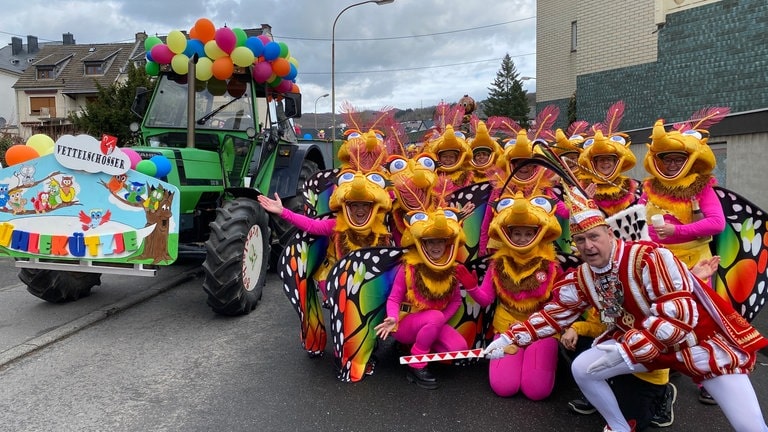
[467, 279]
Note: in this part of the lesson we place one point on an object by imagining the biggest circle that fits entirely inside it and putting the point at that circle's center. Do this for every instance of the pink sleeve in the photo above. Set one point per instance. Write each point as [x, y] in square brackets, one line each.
[397, 295]
[453, 305]
[713, 222]
[484, 294]
[323, 227]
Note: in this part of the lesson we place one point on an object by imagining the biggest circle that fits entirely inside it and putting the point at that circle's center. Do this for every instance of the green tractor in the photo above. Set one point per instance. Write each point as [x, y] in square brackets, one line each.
[228, 142]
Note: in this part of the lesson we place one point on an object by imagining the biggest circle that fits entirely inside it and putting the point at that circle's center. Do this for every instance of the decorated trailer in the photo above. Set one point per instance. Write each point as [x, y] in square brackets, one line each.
[224, 127]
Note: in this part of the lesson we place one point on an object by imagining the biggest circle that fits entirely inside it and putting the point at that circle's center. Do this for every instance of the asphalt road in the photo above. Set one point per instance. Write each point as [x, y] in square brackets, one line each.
[154, 357]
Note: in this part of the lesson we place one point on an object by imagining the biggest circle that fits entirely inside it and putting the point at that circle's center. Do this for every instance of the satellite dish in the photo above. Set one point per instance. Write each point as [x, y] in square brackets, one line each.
[3, 122]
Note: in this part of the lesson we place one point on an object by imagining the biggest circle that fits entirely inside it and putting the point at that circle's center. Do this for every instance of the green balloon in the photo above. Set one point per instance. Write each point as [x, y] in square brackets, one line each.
[283, 49]
[147, 167]
[240, 35]
[150, 42]
[152, 68]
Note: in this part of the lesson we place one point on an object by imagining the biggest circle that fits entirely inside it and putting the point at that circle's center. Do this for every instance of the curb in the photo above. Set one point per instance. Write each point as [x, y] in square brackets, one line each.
[72, 327]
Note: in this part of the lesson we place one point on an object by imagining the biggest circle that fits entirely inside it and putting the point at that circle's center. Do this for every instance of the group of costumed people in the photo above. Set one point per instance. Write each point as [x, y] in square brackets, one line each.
[504, 241]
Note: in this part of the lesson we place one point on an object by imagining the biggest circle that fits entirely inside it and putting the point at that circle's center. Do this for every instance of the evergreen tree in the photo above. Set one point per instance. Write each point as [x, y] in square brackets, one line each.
[506, 97]
[572, 109]
[110, 111]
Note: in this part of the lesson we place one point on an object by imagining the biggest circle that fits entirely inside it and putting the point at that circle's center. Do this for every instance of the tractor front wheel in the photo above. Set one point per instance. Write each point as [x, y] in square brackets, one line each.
[59, 286]
[237, 254]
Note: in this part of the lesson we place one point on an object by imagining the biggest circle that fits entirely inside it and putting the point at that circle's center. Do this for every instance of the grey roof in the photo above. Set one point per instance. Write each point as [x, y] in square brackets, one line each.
[16, 64]
[69, 63]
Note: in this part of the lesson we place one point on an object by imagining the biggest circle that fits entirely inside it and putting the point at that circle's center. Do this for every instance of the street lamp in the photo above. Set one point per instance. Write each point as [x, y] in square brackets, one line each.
[333, 61]
[318, 98]
[526, 78]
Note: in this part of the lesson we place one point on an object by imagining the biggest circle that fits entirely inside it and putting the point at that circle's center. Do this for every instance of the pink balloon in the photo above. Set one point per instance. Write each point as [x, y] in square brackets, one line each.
[264, 39]
[284, 86]
[226, 39]
[161, 53]
[134, 157]
[262, 71]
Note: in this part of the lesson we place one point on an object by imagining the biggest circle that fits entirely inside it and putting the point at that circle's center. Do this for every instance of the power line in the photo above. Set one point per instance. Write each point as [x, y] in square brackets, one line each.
[416, 68]
[407, 37]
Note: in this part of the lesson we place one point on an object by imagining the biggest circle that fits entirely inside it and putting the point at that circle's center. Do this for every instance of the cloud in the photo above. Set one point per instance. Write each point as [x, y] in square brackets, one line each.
[407, 54]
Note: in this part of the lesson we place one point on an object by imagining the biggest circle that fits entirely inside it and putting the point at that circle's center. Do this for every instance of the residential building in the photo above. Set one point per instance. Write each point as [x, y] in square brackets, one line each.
[14, 59]
[61, 78]
[665, 59]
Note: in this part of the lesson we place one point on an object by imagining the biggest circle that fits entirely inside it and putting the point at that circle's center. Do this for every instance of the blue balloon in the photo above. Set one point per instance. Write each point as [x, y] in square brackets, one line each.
[149, 57]
[271, 51]
[256, 45]
[163, 165]
[194, 46]
[307, 136]
[292, 74]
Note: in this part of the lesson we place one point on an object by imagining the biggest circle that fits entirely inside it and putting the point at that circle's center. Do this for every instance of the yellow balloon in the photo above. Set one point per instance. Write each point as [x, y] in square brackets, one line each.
[204, 69]
[242, 56]
[176, 41]
[213, 51]
[293, 61]
[180, 64]
[42, 143]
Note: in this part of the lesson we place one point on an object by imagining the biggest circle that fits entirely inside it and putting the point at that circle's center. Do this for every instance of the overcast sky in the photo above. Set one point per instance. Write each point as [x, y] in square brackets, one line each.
[407, 54]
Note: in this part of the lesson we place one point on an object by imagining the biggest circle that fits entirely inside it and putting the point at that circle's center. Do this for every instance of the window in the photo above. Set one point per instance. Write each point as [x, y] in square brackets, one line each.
[574, 38]
[94, 68]
[39, 105]
[45, 72]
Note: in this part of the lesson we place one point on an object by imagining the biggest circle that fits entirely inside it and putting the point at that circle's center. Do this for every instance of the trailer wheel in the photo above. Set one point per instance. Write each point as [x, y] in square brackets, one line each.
[237, 251]
[282, 229]
[59, 286]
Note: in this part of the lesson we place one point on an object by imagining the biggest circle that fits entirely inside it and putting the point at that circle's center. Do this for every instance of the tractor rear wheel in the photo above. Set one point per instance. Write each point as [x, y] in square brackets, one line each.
[237, 251]
[59, 286]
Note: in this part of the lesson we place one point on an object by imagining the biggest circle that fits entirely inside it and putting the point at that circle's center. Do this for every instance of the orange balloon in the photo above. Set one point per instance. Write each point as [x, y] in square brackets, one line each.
[193, 33]
[205, 29]
[295, 89]
[222, 68]
[20, 153]
[281, 67]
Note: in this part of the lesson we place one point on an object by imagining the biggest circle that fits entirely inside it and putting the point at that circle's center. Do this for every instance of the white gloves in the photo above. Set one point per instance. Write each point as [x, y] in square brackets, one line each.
[611, 358]
[495, 349]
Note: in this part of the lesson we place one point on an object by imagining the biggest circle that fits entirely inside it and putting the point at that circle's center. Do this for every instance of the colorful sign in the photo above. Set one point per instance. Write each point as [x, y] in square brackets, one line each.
[84, 202]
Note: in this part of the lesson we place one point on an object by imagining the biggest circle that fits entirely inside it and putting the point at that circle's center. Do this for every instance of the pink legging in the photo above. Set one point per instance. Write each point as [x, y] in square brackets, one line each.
[531, 370]
[427, 331]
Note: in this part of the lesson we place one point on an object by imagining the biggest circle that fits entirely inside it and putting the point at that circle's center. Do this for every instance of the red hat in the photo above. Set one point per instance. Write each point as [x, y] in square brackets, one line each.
[585, 214]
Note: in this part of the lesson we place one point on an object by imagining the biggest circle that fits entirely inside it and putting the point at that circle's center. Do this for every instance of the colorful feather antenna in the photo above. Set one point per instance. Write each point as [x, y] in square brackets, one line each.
[502, 125]
[443, 189]
[612, 120]
[447, 114]
[545, 119]
[395, 135]
[357, 121]
[576, 128]
[703, 119]
[413, 196]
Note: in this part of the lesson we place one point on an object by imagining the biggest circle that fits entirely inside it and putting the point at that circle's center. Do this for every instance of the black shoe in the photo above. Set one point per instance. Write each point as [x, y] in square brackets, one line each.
[664, 414]
[422, 377]
[582, 406]
[705, 397]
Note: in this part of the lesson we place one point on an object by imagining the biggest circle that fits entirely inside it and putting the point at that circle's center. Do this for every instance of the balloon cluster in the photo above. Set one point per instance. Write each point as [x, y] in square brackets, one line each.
[219, 51]
[157, 166]
[37, 145]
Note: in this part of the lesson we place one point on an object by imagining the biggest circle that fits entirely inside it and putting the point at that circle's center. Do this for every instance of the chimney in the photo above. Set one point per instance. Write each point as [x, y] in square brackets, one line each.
[16, 45]
[266, 29]
[68, 39]
[141, 36]
[32, 44]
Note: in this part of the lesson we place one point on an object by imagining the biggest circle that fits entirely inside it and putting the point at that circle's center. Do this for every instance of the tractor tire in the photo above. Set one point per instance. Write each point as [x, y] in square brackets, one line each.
[284, 230]
[59, 286]
[237, 251]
